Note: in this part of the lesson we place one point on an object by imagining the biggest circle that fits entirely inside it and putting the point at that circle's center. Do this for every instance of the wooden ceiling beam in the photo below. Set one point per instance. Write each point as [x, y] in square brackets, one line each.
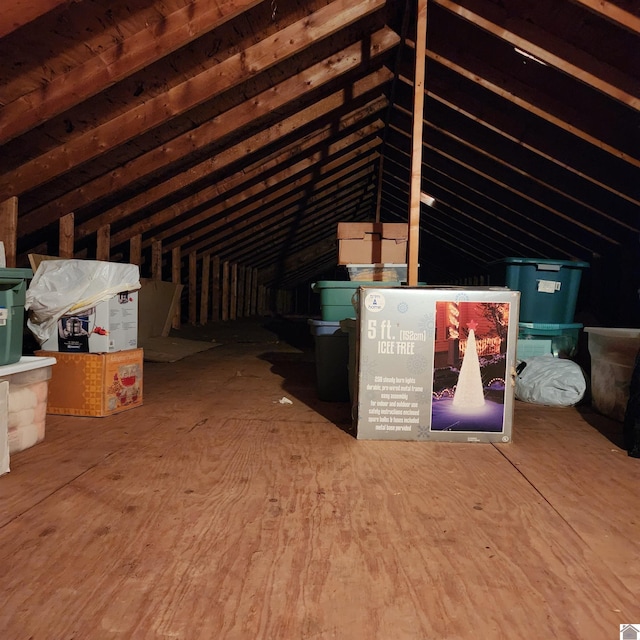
[233, 154]
[265, 215]
[280, 240]
[179, 99]
[535, 110]
[18, 13]
[116, 63]
[311, 167]
[555, 53]
[195, 201]
[218, 161]
[274, 235]
[612, 12]
[294, 88]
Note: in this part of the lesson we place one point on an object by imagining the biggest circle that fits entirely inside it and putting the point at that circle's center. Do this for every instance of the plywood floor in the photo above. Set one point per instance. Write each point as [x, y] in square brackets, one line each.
[215, 512]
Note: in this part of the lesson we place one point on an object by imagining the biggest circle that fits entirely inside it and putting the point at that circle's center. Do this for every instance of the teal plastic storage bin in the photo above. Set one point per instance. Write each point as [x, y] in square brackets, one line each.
[348, 325]
[332, 359]
[335, 297]
[549, 288]
[537, 338]
[13, 288]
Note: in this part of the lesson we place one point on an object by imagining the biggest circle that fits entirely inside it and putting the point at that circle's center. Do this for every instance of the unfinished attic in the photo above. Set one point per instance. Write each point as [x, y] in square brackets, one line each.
[256, 460]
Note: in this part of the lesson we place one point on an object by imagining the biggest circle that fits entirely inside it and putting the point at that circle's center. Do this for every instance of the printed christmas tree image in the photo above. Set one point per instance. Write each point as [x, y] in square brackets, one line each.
[469, 393]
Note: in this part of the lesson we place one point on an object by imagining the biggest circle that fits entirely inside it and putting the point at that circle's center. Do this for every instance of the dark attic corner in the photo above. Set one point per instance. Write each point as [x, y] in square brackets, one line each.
[319, 319]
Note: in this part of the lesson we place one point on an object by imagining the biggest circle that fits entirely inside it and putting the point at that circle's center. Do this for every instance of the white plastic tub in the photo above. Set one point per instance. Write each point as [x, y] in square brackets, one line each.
[613, 353]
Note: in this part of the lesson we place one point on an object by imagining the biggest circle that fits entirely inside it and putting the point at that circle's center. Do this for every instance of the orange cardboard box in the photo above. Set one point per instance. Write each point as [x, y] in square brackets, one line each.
[372, 242]
[95, 384]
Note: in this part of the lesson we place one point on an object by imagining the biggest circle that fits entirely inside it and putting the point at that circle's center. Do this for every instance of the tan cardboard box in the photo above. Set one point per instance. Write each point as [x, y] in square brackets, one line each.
[95, 384]
[372, 242]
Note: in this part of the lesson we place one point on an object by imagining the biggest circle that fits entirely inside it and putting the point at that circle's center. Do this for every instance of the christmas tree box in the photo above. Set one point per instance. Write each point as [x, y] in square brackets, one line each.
[435, 363]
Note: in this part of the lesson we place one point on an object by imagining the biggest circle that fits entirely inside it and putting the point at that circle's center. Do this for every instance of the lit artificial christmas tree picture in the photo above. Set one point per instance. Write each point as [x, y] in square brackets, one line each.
[469, 377]
[469, 393]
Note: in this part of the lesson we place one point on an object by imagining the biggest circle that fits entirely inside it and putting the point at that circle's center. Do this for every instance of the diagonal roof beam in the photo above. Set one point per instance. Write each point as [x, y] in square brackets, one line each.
[349, 59]
[598, 82]
[116, 63]
[17, 13]
[613, 13]
[179, 99]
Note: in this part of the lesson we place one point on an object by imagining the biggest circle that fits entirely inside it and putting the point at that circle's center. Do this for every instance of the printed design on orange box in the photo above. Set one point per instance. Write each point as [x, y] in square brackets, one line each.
[125, 388]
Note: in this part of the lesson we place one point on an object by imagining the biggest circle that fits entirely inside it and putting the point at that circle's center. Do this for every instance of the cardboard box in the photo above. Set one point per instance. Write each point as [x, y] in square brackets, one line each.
[95, 384]
[112, 325]
[435, 363]
[372, 242]
[28, 381]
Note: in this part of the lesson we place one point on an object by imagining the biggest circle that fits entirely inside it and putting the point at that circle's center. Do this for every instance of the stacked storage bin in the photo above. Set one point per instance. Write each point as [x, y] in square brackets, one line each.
[373, 253]
[27, 376]
[549, 292]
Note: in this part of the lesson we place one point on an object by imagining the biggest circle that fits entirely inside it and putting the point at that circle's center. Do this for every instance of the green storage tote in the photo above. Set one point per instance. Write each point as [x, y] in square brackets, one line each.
[549, 288]
[539, 338]
[335, 297]
[13, 288]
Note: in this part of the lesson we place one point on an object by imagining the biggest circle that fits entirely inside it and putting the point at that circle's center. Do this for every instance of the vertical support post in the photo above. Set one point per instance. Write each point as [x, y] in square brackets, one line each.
[193, 288]
[156, 260]
[225, 290]
[135, 250]
[241, 290]
[9, 229]
[254, 292]
[66, 235]
[233, 310]
[103, 243]
[215, 288]
[416, 154]
[175, 278]
[204, 289]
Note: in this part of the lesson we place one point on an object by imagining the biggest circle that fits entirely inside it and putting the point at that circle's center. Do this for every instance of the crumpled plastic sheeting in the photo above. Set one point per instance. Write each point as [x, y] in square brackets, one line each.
[550, 381]
[60, 287]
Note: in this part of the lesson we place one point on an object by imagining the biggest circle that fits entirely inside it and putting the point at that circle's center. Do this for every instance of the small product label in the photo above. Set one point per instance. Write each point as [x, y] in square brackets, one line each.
[374, 301]
[4, 315]
[548, 286]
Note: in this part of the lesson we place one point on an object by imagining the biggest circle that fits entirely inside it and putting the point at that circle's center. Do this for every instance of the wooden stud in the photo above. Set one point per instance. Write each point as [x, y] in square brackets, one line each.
[241, 290]
[135, 250]
[193, 288]
[103, 243]
[66, 234]
[215, 288]
[156, 260]
[416, 155]
[9, 229]
[233, 306]
[225, 291]
[176, 279]
[204, 289]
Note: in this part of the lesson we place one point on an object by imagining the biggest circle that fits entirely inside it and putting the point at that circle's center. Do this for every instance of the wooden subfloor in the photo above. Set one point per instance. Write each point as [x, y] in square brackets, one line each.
[215, 512]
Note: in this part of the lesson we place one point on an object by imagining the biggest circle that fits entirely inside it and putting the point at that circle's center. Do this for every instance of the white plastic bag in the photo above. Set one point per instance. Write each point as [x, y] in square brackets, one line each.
[551, 381]
[64, 286]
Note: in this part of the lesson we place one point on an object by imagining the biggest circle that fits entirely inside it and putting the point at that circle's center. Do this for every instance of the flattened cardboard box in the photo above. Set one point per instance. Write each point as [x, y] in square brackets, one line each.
[372, 242]
[435, 364]
[95, 384]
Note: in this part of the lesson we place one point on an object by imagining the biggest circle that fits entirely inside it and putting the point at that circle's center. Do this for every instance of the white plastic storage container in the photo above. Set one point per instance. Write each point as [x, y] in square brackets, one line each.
[613, 352]
[27, 408]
